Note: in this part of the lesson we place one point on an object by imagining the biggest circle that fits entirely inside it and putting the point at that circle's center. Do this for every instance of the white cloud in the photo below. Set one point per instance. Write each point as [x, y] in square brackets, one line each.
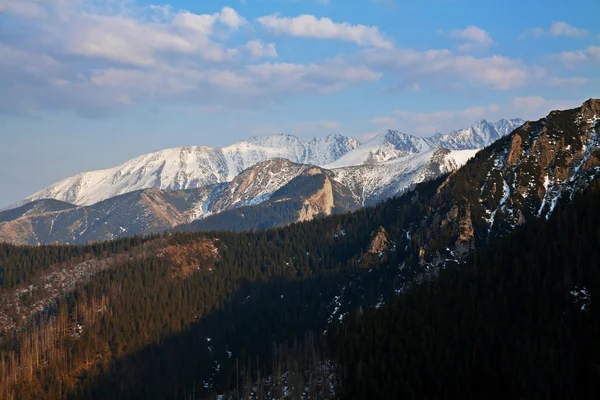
[384, 120]
[93, 57]
[141, 42]
[428, 123]
[309, 26]
[472, 37]
[123, 40]
[497, 72]
[556, 29]
[324, 77]
[202, 24]
[164, 11]
[231, 18]
[259, 49]
[588, 55]
[26, 60]
[126, 56]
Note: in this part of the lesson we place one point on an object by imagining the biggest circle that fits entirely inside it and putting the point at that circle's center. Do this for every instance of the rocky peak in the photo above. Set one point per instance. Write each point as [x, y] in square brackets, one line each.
[480, 134]
[591, 109]
[536, 165]
[256, 184]
[380, 242]
[521, 176]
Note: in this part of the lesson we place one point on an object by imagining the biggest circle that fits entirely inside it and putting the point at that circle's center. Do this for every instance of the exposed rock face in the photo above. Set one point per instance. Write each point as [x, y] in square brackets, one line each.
[320, 203]
[515, 151]
[257, 184]
[452, 214]
[17, 232]
[380, 242]
[466, 237]
[521, 176]
[186, 259]
[546, 160]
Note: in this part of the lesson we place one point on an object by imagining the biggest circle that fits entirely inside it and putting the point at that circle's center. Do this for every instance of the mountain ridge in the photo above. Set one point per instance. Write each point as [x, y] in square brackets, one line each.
[256, 191]
[190, 167]
[196, 166]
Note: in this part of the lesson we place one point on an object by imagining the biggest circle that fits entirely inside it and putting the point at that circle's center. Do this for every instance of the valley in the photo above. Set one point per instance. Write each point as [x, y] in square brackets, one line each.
[224, 301]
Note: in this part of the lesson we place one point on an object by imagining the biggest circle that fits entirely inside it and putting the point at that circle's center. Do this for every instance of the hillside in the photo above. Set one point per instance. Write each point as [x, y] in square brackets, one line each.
[220, 300]
[516, 320]
[253, 191]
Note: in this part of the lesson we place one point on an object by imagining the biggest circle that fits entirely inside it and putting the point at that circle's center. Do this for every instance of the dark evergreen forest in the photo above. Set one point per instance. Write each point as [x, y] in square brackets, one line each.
[190, 315]
[518, 320]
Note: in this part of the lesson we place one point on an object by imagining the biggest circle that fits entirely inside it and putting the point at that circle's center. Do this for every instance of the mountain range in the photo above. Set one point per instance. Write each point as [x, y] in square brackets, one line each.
[504, 245]
[173, 187]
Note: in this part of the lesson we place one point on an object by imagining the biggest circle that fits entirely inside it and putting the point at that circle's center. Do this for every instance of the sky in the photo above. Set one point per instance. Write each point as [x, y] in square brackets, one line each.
[89, 84]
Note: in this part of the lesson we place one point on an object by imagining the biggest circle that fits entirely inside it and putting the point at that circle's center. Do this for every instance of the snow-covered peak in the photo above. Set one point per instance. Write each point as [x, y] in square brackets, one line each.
[197, 166]
[482, 133]
[383, 147]
[504, 127]
[191, 167]
[393, 144]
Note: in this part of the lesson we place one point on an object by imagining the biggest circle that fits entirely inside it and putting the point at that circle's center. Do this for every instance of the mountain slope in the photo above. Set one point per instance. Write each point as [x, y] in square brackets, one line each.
[521, 176]
[142, 211]
[192, 167]
[481, 134]
[384, 147]
[314, 193]
[34, 208]
[518, 319]
[392, 144]
[386, 166]
[372, 183]
[231, 296]
[262, 194]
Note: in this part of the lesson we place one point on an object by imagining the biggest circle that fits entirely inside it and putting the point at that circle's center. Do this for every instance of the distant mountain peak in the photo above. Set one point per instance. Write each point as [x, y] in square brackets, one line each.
[193, 166]
[482, 133]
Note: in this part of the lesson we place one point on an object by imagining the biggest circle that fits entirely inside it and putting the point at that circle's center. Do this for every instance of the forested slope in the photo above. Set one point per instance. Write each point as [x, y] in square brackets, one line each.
[517, 320]
[158, 316]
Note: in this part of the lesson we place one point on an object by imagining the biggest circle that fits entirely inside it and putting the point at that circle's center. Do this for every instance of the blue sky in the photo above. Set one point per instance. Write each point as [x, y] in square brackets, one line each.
[88, 84]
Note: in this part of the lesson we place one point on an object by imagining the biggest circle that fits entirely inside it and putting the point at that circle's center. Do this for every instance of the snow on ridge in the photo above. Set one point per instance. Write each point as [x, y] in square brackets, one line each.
[375, 182]
[190, 167]
[383, 147]
[196, 166]
[460, 157]
[480, 134]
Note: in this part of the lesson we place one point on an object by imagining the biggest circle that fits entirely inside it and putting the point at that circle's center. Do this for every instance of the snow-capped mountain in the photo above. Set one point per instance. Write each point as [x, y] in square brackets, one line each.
[384, 147]
[155, 210]
[371, 183]
[192, 167]
[178, 186]
[197, 166]
[392, 144]
[478, 135]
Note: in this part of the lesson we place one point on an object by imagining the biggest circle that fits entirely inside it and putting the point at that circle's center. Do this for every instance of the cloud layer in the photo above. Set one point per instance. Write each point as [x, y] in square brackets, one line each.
[556, 29]
[97, 57]
[308, 26]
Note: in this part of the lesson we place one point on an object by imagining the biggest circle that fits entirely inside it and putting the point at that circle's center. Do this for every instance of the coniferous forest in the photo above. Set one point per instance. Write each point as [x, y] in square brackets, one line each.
[194, 315]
